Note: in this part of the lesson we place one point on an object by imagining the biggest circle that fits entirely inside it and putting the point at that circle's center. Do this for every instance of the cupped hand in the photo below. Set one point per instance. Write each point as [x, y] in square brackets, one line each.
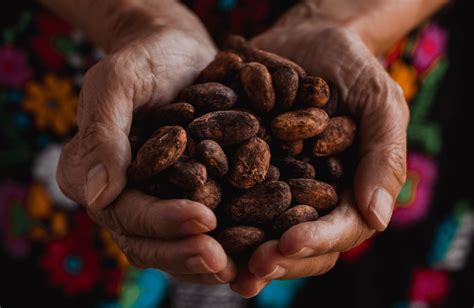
[146, 69]
[376, 101]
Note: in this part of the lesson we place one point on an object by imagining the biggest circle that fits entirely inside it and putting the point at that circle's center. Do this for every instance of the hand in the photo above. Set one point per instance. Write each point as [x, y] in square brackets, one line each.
[376, 101]
[147, 67]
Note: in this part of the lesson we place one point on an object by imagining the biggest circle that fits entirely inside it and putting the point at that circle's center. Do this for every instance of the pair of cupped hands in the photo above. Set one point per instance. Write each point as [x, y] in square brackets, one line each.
[147, 68]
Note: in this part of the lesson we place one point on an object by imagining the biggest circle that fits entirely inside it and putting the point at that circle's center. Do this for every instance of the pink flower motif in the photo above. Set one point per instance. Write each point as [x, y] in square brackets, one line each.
[431, 45]
[12, 196]
[14, 69]
[415, 198]
[429, 286]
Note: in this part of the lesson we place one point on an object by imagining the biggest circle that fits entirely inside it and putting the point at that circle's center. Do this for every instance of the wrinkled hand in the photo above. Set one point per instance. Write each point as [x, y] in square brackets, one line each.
[144, 72]
[370, 95]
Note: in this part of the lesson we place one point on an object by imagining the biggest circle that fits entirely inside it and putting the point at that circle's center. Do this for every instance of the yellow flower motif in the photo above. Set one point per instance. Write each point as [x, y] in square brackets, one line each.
[405, 75]
[38, 202]
[112, 250]
[53, 104]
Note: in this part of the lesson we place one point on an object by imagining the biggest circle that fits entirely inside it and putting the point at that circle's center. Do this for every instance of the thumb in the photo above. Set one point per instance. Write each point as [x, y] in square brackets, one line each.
[93, 164]
[381, 171]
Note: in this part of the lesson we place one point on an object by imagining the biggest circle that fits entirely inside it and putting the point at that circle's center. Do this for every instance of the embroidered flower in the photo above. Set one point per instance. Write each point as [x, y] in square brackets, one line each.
[415, 197]
[354, 254]
[431, 46]
[72, 262]
[44, 171]
[44, 43]
[53, 104]
[14, 69]
[14, 223]
[429, 286]
[406, 76]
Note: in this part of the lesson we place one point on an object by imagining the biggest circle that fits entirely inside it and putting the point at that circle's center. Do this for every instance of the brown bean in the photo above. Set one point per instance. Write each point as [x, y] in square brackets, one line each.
[292, 168]
[172, 114]
[240, 240]
[224, 68]
[337, 137]
[313, 91]
[225, 127]
[294, 216]
[251, 163]
[159, 152]
[299, 124]
[314, 193]
[260, 204]
[330, 168]
[291, 148]
[257, 84]
[209, 96]
[188, 174]
[332, 105]
[273, 174]
[264, 134]
[209, 194]
[251, 53]
[211, 154]
[285, 85]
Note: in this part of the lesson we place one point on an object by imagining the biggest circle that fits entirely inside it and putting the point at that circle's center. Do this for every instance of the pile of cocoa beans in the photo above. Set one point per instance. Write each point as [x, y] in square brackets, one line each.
[255, 139]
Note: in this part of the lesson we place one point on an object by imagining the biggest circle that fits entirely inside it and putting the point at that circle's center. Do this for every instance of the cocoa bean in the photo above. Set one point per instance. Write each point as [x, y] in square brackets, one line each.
[292, 168]
[172, 114]
[300, 124]
[285, 85]
[252, 54]
[294, 216]
[313, 91]
[337, 137]
[211, 154]
[257, 84]
[314, 193]
[290, 148]
[209, 194]
[251, 163]
[260, 204]
[188, 174]
[240, 240]
[223, 69]
[273, 174]
[225, 127]
[159, 152]
[211, 96]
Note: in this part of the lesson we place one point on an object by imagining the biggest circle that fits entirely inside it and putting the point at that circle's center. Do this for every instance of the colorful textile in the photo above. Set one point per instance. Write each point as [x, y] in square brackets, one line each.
[419, 260]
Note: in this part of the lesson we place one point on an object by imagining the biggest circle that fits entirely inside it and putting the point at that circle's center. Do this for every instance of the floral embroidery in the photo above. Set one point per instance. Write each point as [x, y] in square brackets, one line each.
[406, 77]
[431, 46]
[14, 69]
[415, 198]
[52, 103]
[429, 286]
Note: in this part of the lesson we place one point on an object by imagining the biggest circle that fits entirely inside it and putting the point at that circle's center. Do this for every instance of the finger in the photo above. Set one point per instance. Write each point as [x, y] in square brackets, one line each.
[92, 167]
[268, 263]
[198, 254]
[222, 277]
[340, 230]
[135, 213]
[247, 284]
[381, 171]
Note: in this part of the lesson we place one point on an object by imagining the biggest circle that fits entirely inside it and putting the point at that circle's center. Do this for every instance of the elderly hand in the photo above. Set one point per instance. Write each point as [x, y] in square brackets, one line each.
[147, 67]
[376, 101]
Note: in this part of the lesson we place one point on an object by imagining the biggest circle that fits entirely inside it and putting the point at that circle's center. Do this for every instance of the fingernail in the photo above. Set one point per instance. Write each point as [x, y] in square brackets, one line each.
[197, 265]
[193, 226]
[277, 273]
[97, 181]
[219, 279]
[303, 253]
[381, 206]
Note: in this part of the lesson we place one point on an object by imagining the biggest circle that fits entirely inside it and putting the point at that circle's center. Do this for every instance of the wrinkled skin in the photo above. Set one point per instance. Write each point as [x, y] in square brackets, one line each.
[373, 98]
[147, 70]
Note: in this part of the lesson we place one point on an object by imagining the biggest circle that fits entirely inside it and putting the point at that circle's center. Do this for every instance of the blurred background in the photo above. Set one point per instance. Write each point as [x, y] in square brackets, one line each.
[51, 253]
